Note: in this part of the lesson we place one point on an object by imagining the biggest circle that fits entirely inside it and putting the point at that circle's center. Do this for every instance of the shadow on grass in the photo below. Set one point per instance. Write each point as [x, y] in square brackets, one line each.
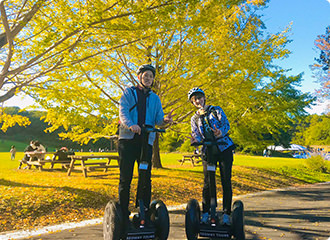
[8, 183]
[68, 198]
[245, 179]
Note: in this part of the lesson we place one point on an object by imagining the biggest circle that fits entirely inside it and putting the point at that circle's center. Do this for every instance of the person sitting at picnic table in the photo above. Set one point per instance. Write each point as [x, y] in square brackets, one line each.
[39, 149]
[30, 148]
[62, 154]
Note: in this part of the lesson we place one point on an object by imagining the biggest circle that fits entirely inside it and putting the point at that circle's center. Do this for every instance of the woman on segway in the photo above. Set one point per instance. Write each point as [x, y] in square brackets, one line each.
[211, 124]
[139, 106]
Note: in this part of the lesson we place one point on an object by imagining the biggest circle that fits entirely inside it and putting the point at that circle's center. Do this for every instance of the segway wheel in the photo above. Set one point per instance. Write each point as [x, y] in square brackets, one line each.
[193, 215]
[159, 215]
[112, 221]
[238, 220]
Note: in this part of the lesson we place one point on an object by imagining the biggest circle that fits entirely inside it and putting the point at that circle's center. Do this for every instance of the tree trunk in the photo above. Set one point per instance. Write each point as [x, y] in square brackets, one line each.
[156, 162]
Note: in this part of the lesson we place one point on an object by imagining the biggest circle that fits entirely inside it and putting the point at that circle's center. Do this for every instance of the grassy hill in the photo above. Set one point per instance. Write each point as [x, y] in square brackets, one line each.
[5, 145]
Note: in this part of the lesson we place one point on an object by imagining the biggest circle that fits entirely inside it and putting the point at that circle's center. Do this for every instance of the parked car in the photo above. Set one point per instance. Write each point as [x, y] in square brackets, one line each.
[303, 155]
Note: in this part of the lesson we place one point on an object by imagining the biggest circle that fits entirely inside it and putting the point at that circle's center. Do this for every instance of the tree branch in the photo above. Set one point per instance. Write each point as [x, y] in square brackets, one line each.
[9, 94]
[98, 87]
[21, 24]
[9, 40]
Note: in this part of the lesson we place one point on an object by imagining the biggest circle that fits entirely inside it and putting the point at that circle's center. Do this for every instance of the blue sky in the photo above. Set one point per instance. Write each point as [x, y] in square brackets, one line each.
[309, 18]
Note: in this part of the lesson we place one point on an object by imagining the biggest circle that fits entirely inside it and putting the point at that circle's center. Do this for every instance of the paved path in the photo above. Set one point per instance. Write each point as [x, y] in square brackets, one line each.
[293, 213]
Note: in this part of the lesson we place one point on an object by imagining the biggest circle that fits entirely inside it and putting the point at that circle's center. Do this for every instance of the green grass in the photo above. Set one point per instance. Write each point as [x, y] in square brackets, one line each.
[244, 160]
[32, 198]
[5, 145]
[267, 162]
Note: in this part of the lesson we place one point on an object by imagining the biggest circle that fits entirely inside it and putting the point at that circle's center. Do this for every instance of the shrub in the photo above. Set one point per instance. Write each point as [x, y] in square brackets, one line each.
[169, 142]
[317, 163]
[186, 147]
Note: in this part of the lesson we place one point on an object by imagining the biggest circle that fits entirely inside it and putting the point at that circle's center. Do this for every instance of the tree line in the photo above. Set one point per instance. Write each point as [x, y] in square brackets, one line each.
[36, 131]
[310, 130]
[307, 131]
[313, 130]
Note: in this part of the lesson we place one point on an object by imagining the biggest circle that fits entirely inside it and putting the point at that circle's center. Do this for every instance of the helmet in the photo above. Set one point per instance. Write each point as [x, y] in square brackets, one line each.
[194, 91]
[146, 67]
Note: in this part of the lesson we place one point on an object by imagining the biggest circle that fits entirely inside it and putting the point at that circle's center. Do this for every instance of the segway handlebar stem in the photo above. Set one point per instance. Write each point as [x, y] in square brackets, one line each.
[149, 129]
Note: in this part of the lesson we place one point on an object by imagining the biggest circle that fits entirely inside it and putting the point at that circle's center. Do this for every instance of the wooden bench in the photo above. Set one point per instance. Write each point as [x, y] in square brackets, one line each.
[193, 158]
[61, 157]
[39, 161]
[64, 163]
[90, 166]
[36, 159]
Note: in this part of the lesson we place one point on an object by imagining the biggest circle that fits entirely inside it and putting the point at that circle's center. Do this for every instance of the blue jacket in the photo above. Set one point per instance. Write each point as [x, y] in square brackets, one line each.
[219, 119]
[128, 113]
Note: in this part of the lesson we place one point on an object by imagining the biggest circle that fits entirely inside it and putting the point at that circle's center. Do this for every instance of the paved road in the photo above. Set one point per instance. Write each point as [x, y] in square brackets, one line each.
[293, 213]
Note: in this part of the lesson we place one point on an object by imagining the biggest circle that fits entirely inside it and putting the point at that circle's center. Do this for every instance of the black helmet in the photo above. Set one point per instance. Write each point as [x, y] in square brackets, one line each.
[146, 67]
[194, 91]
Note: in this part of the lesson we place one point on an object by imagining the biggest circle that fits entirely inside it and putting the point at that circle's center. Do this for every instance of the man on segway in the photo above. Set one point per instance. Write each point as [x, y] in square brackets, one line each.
[139, 107]
[210, 123]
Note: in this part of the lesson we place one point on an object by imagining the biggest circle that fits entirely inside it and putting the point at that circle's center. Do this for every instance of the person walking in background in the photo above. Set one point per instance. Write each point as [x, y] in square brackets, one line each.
[12, 153]
[264, 153]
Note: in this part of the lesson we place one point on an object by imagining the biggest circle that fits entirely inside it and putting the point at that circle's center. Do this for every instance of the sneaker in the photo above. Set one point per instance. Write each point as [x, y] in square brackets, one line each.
[205, 217]
[225, 220]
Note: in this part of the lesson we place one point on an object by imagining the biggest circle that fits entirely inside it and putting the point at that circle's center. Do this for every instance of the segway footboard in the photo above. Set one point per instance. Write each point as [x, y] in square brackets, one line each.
[218, 232]
[145, 233]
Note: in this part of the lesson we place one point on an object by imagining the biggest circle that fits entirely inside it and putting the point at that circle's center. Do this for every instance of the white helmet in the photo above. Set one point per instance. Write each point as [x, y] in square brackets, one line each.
[194, 91]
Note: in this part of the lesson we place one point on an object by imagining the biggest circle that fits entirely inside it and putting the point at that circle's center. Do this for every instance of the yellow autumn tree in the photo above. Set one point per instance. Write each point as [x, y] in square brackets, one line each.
[40, 37]
[217, 45]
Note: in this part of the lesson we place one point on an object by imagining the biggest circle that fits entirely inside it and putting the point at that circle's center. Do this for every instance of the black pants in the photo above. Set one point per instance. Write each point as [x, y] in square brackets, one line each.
[129, 152]
[225, 160]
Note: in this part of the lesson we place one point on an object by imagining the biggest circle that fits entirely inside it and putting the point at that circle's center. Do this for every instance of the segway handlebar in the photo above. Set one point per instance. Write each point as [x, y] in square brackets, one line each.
[207, 143]
[149, 129]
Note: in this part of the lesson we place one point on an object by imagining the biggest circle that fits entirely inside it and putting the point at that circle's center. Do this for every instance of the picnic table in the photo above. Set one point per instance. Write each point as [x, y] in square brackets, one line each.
[37, 159]
[193, 158]
[61, 157]
[91, 162]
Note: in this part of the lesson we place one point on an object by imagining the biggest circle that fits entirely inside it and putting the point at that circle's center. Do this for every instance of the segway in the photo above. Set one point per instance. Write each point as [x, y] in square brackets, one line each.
[213, 228]
[154, 224]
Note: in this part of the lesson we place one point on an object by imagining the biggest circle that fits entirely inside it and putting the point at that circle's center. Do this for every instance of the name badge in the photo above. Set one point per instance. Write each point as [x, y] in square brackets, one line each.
[211, 168]
[143, 166]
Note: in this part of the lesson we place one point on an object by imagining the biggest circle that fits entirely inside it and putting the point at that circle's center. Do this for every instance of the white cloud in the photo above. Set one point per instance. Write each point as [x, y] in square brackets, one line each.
[20, 101]
[320, 107]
